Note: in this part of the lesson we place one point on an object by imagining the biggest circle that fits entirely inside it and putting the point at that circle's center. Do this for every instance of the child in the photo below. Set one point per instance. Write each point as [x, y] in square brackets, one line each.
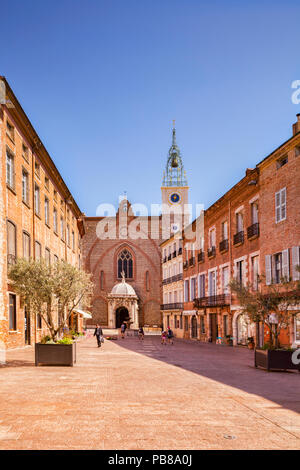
[164, 337]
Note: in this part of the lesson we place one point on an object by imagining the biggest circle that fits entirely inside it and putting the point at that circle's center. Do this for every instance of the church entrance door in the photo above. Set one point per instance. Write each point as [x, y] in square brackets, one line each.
[121, 315]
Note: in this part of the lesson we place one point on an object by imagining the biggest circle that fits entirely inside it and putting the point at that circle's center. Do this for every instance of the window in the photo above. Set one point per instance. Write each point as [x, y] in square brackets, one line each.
[225, 280]
[55, 220]
[55, 258]
[212, 283]
[254, 213]
[224, 231]
[47, 256]
[297, 328]
[239, 272]
[297, 151]
[281, 161]
[25, 186]
[37, 169]
[73, 240]
[68, 234]
[239, 222]
[280, 205]
[26, 245]
[39, 321]
[25, 152]
[10, 131]
[277, 271]
[186, 290]
[255, 278]
[62, 229]
[102, 280]
[12, 312]
[125, 264]
[180, 322]
[46, 211]
[47, 183]
[147, 281]
[38, 250]
[201, 286]
[10, 170]
[55, 195]
[11, 243]
[212, 238]
[202, 325]
[37, 200]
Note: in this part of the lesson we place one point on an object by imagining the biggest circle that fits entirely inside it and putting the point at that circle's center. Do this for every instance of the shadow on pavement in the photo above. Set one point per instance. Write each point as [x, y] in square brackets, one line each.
[232, 366]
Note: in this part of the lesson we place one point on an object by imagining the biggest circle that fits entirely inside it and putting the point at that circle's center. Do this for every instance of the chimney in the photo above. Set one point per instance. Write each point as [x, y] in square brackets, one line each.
[296, 126]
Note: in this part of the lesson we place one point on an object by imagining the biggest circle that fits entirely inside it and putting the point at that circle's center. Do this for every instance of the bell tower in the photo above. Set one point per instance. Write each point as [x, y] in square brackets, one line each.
[174, 190]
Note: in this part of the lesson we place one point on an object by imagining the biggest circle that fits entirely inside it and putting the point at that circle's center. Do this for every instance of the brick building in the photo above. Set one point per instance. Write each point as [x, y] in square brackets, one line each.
[127, 242]
[38, 215]
[253, 229]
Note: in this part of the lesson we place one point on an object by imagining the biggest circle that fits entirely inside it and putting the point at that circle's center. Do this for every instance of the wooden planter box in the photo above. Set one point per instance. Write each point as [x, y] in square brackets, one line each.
[55, 354]
[275, 360]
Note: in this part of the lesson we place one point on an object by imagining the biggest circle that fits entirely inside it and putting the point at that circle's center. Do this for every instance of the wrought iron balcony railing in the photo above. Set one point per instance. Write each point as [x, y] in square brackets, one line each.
[238, 238]
[192, 261]
[212, 301]
[201, 256]
[174, 306]
[223, 246]
[211, 252]
[168, 280]
[253, 231]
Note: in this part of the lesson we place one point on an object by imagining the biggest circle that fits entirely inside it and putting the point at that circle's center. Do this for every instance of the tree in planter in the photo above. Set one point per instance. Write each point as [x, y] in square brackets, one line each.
[42, 287]
[270, 305]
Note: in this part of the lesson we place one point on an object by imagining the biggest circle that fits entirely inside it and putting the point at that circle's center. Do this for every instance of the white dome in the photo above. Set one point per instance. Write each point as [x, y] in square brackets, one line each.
[122, 288]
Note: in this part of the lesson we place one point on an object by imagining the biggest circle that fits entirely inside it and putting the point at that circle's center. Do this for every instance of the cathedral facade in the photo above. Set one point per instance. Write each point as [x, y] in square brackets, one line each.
[122, 252]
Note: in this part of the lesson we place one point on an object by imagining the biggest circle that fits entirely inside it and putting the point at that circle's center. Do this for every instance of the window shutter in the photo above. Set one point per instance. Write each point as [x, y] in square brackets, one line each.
[268, 270]
[283, 204]
[295, 262]
[285, 264]
[277, 207]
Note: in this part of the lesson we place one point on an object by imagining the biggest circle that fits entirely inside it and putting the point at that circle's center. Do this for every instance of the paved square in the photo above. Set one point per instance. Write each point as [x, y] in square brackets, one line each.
[132, 394]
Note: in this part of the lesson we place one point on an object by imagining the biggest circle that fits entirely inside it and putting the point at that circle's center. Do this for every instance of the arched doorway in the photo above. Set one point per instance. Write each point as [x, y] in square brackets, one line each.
[122, 314]
[194, 327]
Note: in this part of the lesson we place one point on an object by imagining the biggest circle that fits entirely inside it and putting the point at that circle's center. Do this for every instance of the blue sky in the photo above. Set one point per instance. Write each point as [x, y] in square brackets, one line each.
[101, 82]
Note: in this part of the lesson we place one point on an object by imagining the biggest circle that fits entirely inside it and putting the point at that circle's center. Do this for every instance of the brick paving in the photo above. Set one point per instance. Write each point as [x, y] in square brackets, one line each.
[142, 395]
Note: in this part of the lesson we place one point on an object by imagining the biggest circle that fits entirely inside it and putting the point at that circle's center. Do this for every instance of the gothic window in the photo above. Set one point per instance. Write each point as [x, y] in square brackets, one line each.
[102, 280]
[125, 264]
[147, 281]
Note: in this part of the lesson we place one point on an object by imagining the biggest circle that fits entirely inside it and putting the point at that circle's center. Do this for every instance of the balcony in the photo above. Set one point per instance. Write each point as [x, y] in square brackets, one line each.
[192, 261]
[169, 280]
[201, 256]
[238, 238]
[185, 264]
[253, 231]
[174, 254]
[174, 306]
[220, 300]
[223, 246]
[211, 252]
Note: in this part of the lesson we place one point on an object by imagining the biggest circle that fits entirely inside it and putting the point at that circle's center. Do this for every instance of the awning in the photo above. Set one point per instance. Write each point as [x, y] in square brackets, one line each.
[189, 312]
[81, 312]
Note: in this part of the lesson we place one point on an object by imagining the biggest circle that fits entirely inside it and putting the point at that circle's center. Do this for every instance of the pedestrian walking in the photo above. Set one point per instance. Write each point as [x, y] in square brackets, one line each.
[163, 337]
[170, 335]
[141, 333]
[123, 329]
[99, 335]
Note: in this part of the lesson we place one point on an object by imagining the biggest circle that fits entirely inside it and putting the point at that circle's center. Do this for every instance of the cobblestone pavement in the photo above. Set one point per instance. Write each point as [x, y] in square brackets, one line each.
[132, 394]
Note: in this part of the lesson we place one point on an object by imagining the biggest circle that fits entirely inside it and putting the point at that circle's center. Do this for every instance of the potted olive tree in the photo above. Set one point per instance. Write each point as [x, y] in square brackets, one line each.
[53, 292]
[274, 306]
